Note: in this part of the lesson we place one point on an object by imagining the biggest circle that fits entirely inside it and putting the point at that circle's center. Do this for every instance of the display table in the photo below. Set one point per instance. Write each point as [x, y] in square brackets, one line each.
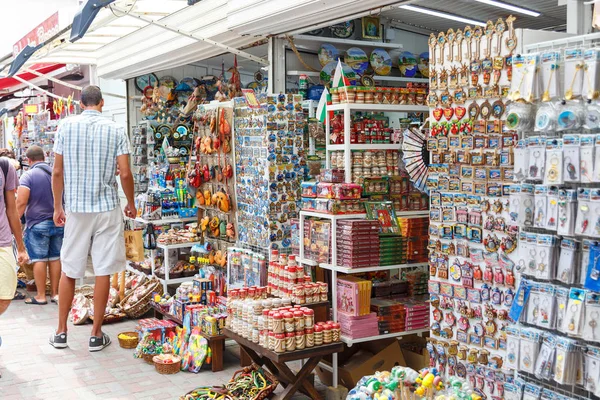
[275, 362]
[216, 343]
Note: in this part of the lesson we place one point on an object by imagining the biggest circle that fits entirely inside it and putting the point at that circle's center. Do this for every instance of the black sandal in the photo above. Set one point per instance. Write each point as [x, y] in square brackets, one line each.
[33, 300]
[19, 296]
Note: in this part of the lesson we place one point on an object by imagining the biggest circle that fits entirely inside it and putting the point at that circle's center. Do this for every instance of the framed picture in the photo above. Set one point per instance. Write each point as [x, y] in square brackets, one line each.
[371, 27]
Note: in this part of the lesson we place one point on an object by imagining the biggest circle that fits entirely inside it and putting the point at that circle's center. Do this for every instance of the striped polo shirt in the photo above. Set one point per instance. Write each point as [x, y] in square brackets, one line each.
[90, 144]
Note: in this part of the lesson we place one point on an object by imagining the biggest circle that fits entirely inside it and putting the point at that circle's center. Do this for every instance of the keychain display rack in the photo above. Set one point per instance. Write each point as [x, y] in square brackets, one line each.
[472, 247]
[554, 205]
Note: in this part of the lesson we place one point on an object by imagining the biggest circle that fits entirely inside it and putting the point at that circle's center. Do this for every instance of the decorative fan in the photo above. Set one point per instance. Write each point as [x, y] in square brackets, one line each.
[416, 157]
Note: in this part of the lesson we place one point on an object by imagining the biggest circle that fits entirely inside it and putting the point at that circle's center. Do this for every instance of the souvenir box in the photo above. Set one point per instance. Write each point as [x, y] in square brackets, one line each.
[376, 186]
[333, 206]
[309, 189]
[332, 175]
[353, 295]
[340, 191]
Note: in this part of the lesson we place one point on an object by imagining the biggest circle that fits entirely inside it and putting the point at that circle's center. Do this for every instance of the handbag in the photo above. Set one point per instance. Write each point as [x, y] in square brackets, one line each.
[134, 243]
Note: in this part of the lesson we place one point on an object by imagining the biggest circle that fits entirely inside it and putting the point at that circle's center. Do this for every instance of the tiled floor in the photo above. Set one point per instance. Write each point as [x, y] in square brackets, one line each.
[32, 369]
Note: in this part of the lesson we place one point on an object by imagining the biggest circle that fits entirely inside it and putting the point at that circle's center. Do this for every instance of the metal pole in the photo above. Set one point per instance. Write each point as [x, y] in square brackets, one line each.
[40, 89]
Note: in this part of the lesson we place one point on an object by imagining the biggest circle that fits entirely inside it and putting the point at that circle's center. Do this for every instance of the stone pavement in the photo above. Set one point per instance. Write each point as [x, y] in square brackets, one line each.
[32, 369]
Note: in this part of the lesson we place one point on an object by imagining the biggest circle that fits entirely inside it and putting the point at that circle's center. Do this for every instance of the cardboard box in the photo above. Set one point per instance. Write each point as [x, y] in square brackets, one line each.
[415, 360]
[380, 355]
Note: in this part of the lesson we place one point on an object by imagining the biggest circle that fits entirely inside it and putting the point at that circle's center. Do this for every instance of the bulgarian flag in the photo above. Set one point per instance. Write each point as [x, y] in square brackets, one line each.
[322, 107]
[339, 79]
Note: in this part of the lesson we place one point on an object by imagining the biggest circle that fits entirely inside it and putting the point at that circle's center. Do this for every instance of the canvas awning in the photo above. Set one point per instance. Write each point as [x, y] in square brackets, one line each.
[133, 37]
[7, 83]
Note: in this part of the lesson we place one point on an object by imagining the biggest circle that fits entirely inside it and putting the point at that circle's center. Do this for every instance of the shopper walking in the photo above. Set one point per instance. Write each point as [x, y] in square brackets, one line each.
[9, 226]
[43, 239]
[88, 149]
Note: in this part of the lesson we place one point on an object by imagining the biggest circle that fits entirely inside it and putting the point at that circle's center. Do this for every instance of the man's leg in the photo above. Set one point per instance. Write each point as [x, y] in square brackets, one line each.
[66, 292]
[4, 306]
[54, 276]
[101, 291]
[39, 276]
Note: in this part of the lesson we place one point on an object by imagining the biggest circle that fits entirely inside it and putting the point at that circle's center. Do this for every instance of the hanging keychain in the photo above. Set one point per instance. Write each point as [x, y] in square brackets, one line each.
[586, 158]
[541, 205]
[567, 212]
[551, 221]
[584, 212]
[567, 261]
[537, 157]
[554, 162]
[571, 158]
[521, 162]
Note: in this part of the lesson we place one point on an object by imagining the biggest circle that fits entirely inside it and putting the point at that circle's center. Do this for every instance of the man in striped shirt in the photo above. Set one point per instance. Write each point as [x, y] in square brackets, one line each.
[88, 149]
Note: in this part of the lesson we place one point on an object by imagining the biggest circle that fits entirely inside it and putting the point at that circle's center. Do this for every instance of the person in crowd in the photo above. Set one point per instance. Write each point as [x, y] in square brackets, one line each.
[9, 226]
[43, 239]
[88, 149]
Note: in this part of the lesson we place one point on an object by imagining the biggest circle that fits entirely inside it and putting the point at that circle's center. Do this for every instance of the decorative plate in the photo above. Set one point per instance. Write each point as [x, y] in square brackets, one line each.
[381, 62]
[424, 64]
[145, 80]
[191, 82]
[407, 62]
[343, 30]
[163, 131]
[182, 130]
[168, 81]
[357, 59]
[327, 54]
[329, 70]
[148, 91]
[316, 32]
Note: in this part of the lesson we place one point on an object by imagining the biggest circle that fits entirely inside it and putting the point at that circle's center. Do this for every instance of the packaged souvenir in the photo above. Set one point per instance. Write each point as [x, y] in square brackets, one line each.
[309, 189]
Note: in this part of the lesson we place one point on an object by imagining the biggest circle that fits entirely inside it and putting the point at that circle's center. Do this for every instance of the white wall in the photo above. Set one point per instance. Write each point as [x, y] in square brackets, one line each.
[413, 42]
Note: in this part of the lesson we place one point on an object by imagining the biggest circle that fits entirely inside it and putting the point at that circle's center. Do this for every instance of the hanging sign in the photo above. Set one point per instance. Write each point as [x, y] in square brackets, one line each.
[31, 109]
[39, 34]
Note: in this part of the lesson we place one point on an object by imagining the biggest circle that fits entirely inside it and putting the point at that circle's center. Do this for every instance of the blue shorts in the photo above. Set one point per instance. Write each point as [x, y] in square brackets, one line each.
[44, 241]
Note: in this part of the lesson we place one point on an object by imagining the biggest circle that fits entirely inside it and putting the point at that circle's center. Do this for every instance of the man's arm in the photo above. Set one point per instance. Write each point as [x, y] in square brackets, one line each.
[22, 199]
[15, 224]
[58, 186]
[127, 184]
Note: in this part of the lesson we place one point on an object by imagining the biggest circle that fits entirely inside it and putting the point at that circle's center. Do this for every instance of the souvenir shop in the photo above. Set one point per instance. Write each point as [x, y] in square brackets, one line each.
[408, 224]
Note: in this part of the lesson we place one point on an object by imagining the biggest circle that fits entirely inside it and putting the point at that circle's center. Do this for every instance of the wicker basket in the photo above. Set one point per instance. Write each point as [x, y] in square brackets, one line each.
[167, 369]
[264, 393]
[189, 272]
[148, 358]
[111, 318]
[175, 275]
[143, 304]
[128, 343]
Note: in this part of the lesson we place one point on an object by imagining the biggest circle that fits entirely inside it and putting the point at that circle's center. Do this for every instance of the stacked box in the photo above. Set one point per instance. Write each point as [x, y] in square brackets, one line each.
[389, 288]
[391, 315]
[317, 241]
[353, 295]
[357, 243]
[416, 232]
[417, 283]
[358, 327]
[392, 250]
[417, 316]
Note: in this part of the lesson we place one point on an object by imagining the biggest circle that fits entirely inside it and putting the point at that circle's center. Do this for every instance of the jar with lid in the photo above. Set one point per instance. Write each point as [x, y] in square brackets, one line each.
[369, 95]
[360, 94]
[263, 338]
[255, 336]
[258, 308]
[309, 318]
[289, 322]
[350, 93]
[279, 345]
[298, 293]
[309, 333]
[300, 340]
[323, 291]
[335, 97]
[299, 274]
[318, 335]
[327, 334]
[298, 321]
[335, 332]
[271, 340]
[278, 323]
[276, 303]
[270, 320]
[267, 304]
[290, 341]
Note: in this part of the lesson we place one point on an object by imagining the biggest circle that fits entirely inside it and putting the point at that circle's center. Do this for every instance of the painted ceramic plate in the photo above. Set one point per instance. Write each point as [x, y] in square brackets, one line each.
[407, 62]
[168, 81]
[357, 59]
[182, 130]
[424, 64]
[162, 131]
[191, 82]
[343, 30]
[329, 70]
[145, 80]
[381, 62]
[327, 54]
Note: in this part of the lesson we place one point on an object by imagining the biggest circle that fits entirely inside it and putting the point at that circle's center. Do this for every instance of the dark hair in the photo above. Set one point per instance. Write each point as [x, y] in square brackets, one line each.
[35, 153]
[91, 96]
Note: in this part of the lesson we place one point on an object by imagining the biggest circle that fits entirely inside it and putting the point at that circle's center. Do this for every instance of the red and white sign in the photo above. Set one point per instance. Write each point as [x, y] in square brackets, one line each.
[41, 33]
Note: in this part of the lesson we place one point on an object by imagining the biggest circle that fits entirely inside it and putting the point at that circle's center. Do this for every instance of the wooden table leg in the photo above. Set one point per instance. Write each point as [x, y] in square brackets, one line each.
[217, 347]
[299, 380]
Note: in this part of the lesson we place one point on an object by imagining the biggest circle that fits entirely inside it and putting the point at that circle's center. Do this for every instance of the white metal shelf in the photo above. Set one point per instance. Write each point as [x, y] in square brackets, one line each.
[377, 107]
[399, 79]
[306, 261]
[348, 270]
[166, 282]
[166, 221]
[365, 146]
[314, 43]
[417, 213]
[333, 217]
[350, 341]
[176, 245]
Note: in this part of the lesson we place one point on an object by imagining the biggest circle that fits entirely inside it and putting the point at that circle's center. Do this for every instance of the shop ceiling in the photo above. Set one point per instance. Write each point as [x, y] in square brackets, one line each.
[553, 16]
[133, 37]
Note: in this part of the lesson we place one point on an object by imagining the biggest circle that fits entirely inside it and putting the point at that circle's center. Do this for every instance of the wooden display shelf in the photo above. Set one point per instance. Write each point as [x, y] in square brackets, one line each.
[216, 343]
[276, 363]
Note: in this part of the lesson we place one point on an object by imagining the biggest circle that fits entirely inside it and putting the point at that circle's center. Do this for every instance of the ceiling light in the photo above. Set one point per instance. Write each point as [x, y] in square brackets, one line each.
[510, 7]
[442, 15]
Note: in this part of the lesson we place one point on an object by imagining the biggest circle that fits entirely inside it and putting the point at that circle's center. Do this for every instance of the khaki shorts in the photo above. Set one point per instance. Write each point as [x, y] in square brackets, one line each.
[103, 233]
[8, 273]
